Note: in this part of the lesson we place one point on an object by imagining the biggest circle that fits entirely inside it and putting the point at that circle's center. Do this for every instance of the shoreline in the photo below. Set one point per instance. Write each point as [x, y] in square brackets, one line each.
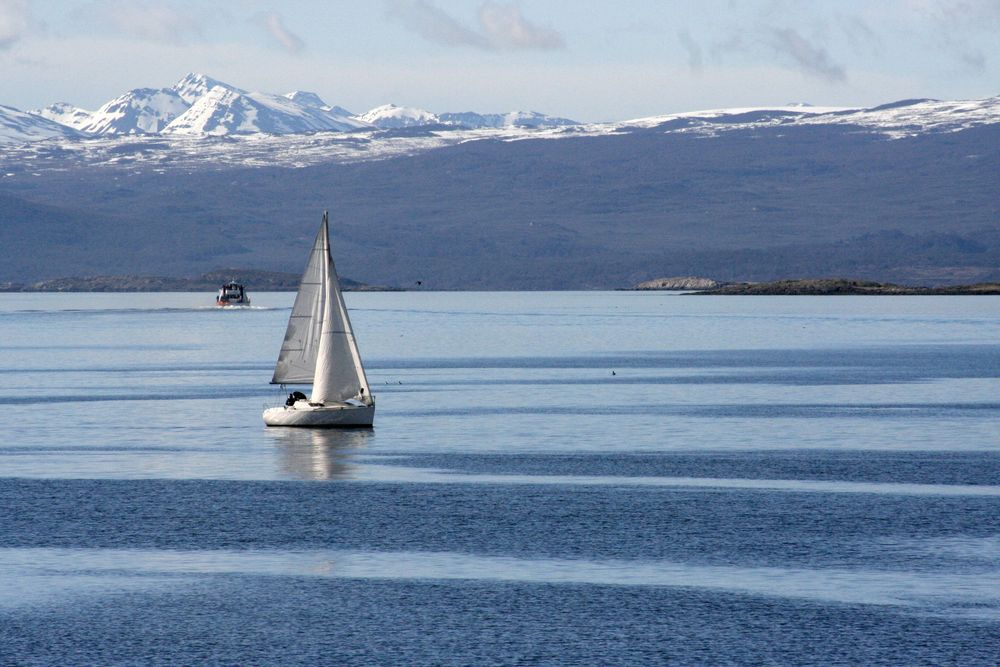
[811, 287]
[843, 287]
[279, 282]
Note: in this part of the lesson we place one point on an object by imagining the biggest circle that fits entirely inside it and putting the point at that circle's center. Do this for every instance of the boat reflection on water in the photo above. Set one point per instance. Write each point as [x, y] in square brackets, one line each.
[319, 454]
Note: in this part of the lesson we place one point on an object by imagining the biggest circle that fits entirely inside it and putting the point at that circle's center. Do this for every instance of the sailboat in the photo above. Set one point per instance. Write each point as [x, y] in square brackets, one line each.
[320, 349]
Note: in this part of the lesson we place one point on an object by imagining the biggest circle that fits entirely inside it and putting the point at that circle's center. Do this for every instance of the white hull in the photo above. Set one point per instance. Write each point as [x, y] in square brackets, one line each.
[325, 416]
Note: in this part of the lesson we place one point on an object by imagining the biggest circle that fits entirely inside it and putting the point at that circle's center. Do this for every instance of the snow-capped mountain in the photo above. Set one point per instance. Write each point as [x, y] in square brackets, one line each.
[18, 127]
[199, 105]
[896, 119]
[65, 114]
[471, 119]
[193, 87]
[225, 110]
[308, 99]
[390, 116]
[218, 111]
[908, 117]
[139, 111]
[733, 116]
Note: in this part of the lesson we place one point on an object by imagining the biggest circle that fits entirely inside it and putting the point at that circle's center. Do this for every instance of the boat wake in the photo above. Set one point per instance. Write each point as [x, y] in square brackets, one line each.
[126, 311]
[226, 308]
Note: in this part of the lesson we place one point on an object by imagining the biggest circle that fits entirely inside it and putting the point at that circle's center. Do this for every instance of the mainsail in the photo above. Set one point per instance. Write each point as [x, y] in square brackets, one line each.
[319, 345]
[297, 359]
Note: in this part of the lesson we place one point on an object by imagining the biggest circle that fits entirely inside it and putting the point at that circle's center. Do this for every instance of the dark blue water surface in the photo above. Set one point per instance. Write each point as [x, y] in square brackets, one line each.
[554, 478]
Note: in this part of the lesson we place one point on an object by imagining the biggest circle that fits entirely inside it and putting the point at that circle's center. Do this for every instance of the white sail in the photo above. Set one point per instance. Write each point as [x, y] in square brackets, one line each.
[319, 344]
[297, 359]
[364, 391]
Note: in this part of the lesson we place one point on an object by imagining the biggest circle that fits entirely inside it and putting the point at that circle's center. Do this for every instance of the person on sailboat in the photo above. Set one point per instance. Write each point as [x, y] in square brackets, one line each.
[293, 397]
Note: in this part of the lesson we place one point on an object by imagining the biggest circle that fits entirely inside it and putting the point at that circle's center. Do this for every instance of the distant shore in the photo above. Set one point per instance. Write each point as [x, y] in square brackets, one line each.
[817, 287]
[272, 281]
[254, 280]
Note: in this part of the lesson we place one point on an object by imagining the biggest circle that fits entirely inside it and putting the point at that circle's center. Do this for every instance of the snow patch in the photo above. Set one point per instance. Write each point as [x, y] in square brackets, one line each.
[19, 127]
[390, 116]
[65, 114]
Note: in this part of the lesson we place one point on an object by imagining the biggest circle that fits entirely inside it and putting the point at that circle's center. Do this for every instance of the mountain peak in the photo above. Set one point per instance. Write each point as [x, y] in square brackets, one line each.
[307, 99]
[391, 116]
[139, 111]
[65, 113]
[194, 85]
[226, 110]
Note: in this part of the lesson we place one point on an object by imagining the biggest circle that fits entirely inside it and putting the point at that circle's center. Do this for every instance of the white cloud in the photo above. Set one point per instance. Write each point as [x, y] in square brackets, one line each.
[433, 23]
[13, 22]
[810, 58]
[984, 14]
[501, 26]
[956, 24]
[859, 34]
[275, 27]
[155, 21]
[975, 60]
[693, 50]
[506, 28]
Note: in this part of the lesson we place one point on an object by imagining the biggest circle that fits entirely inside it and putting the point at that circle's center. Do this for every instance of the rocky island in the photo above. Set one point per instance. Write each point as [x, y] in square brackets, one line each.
[679, 283]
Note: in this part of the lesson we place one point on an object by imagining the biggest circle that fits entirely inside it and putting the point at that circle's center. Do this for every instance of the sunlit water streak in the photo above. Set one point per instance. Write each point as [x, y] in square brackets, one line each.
[42, 574]
[384, 473]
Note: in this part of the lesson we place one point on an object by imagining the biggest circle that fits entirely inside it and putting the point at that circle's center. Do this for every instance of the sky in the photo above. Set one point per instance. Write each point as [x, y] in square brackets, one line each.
[589, 60]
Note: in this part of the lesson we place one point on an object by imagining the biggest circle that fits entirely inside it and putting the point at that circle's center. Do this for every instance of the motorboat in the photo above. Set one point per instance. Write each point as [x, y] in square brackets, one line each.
[232, 294]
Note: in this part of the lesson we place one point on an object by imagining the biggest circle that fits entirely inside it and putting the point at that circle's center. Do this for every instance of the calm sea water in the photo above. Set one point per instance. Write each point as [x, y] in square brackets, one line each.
[553, 478]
